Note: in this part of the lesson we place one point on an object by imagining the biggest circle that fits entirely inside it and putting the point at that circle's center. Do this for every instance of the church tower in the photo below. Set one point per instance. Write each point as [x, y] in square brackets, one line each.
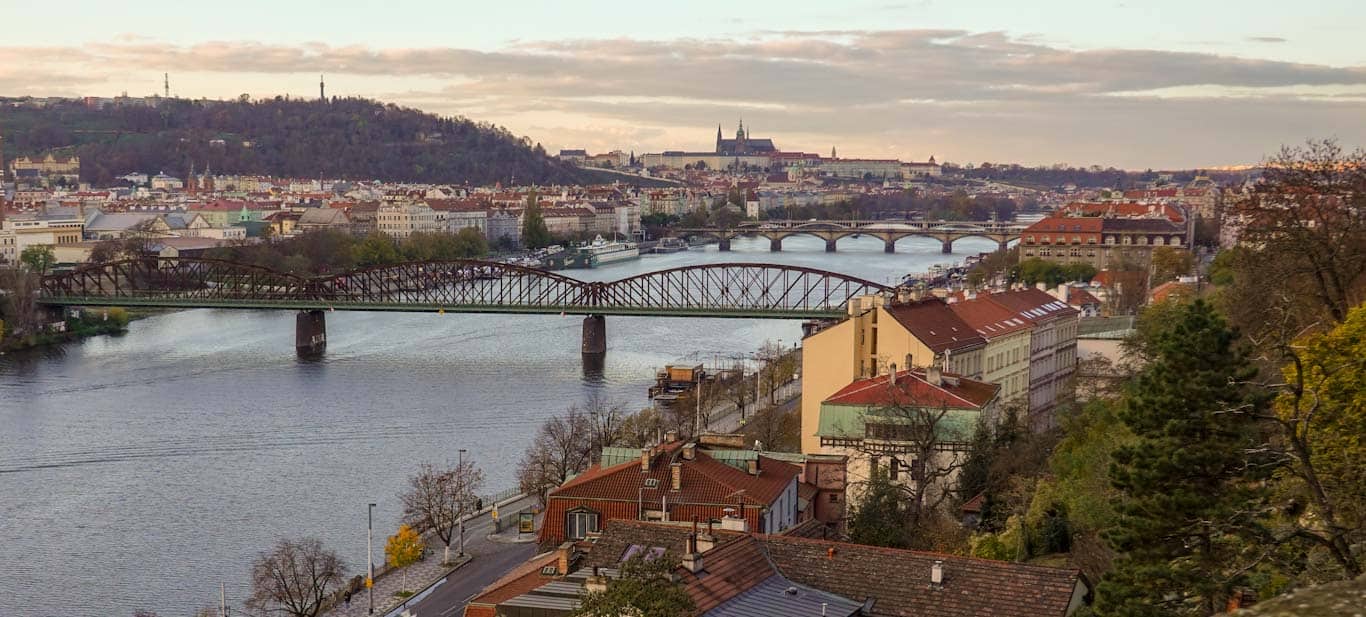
[718, 138]
[191, 181]
[322, 89]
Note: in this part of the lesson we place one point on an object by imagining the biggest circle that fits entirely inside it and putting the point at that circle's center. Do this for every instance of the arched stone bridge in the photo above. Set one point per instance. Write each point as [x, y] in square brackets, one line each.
[887, 231]
[468, 286]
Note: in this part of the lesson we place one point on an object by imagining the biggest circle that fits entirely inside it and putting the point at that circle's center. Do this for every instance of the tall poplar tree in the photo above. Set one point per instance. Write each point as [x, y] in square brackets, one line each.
[1186, 485]
[535, 235]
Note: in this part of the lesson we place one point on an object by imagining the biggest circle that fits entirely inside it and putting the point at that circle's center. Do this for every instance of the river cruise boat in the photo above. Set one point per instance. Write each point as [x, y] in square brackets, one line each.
[599, 252]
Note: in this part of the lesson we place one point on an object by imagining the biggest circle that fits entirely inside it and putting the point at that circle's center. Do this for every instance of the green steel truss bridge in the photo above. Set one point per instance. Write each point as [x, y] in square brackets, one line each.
[465, 286]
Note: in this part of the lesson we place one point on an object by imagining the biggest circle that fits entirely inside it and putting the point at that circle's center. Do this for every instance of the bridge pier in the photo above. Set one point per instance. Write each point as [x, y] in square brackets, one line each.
[947, 248]
[723, 245]
[889, 246]
[594, 335]
[310, 333]
[1003, 245]
[830, 246]
[775, 245]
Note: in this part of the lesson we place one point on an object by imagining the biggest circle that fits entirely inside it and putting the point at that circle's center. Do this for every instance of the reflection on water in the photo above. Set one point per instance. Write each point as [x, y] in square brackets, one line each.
[148, 468]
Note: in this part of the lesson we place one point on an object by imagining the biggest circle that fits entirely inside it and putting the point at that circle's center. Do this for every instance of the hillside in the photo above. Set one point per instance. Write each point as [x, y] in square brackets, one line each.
[349, 138]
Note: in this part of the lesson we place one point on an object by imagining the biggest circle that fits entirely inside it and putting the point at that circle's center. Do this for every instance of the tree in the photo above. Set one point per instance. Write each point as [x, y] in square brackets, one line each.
[646, 588]
[535, 235]
[775, 429]
[38, 258]
[776, 368]
[404, 549]
[376, 249]
[878, 518]
[1186, 485]
[1319, 440]
[1309, 216]
[438, 498]
[566, 445]
[1169, 262]
[294, 578]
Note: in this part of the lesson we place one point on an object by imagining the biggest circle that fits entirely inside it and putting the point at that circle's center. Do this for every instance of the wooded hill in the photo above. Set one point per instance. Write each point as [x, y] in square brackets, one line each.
[349, 138]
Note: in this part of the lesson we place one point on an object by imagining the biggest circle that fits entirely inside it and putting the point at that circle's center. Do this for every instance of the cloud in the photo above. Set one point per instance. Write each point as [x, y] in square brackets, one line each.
[1267, 39]
[892, 90]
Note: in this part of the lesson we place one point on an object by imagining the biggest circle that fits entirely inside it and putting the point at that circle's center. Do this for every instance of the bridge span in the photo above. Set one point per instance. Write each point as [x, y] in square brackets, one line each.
[887, 231]
[463, 286]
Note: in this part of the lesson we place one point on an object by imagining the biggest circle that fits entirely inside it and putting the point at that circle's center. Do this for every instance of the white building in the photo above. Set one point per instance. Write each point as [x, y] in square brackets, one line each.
[19, 232]
[402, 219]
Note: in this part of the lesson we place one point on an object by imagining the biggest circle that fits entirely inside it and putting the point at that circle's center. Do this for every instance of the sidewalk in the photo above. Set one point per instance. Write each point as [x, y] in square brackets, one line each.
[726, 419]
[420, 575]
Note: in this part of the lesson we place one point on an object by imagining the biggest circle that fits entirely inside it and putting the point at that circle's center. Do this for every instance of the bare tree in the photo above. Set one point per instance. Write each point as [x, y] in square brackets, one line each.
[911, 441]
[562, 448]
[737, 390]
[776, 368]
[438, 498]
[294, 578]
[775, 429]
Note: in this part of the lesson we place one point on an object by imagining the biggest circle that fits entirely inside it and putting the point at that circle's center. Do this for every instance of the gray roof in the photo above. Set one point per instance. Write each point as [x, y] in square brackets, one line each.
[117, 221]
[778, 596]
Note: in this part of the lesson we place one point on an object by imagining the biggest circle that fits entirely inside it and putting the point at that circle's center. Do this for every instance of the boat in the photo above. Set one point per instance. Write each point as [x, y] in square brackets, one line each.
[599, 252]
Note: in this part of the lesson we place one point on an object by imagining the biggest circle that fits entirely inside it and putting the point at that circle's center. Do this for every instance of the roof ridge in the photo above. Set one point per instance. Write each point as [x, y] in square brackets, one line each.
[918, 553]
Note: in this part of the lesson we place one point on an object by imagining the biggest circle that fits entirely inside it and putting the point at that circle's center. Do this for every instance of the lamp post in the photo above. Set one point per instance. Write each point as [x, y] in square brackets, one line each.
[370, 554]
[460, 477]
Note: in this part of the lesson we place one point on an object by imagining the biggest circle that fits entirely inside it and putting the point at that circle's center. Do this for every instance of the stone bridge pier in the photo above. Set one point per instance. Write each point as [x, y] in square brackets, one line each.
[947, 247]
[594, 335]
[310, 333]
[775, 244]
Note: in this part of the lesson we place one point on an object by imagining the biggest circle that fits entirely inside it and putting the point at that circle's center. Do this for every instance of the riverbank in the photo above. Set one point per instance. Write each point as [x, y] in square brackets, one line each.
[89, 323]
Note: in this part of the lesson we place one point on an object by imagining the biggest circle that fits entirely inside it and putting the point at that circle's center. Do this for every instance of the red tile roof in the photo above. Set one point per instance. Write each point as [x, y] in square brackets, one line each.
[1035, 305]
[932, 322]
[728, 570]
[989, 318]
[911, 387]
[704, 480]
[520, 580]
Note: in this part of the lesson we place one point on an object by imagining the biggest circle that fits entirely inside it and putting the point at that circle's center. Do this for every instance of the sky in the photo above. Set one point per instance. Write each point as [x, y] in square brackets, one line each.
[1136, 84]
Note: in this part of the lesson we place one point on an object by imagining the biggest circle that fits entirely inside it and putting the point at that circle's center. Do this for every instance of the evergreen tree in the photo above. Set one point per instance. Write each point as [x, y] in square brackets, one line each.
[879, 519]
[534, 232]
[1185, 486]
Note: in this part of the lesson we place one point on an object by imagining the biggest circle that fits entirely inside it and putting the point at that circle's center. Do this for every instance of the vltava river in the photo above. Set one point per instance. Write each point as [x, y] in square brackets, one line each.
[139, 471]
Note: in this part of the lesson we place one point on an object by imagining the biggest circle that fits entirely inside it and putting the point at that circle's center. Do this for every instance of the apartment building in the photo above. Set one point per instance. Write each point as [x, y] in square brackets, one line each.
[402, 219]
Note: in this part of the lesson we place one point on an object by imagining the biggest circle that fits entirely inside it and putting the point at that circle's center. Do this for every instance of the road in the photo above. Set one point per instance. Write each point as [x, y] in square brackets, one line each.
[491, 561]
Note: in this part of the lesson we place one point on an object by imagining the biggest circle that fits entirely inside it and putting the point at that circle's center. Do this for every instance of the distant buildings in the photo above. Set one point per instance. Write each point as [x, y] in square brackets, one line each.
[1108, 236]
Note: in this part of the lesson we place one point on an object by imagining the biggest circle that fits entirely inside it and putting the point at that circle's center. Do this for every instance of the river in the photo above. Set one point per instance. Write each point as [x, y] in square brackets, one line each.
[140, 471]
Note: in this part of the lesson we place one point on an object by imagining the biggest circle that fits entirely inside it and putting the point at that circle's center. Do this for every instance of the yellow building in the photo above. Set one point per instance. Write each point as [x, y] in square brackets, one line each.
[914, 334]
[1006, 357]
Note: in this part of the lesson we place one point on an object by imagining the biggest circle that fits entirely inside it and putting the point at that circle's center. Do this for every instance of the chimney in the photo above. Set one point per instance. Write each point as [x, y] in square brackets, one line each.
[670, 436]
[908, 363]
[644, 460]
[692, 559]
[689, 451]
[891, 374]
[937, 573]
[564, 557]
[830, 553]
[933, 376]
[706, 541]
[675, 476]
[595, 583]
[754, 466]
[1041, 286]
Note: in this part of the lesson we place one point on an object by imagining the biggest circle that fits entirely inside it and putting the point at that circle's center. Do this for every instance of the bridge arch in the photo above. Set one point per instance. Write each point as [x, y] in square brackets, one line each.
[736, 289]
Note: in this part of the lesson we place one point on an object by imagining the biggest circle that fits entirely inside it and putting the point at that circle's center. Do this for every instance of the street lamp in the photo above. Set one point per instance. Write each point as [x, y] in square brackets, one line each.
[370, 554]
[460, 477]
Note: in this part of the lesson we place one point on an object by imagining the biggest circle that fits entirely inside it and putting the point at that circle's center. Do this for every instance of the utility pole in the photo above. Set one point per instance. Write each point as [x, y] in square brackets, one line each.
[460, 490]
[370, 555]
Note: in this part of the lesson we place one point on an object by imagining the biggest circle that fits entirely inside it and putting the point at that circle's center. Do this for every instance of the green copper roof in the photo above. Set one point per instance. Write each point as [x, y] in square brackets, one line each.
[846, 421]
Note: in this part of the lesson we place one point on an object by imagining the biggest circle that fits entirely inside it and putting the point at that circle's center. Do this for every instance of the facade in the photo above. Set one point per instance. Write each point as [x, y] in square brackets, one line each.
[916, 334]
[504, 224]
[870, 422]
[19, 232]
[672, 482]
[1107, 235]
[861, 168]
[47, 169]
[403, 219]
[1052, 349]
[319, 219]
[1006, 357]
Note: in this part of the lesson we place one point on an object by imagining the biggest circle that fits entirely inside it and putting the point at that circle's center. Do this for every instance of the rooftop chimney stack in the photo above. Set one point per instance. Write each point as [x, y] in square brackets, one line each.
[644, 460]
[891, 374]
[689, 451]
[675, 476]
[933, 376]
[692, 559]
[937, 573]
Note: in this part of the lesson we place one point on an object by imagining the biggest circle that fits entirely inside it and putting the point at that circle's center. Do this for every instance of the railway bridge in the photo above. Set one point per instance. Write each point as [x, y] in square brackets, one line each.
[887, 231]
[463, 286]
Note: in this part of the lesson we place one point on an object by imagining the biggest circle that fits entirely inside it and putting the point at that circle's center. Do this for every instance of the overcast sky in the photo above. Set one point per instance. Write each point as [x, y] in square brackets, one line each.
[1130, 83]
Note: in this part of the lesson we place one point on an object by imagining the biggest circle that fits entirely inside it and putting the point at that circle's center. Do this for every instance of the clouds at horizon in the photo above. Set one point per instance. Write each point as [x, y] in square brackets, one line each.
[960, 95]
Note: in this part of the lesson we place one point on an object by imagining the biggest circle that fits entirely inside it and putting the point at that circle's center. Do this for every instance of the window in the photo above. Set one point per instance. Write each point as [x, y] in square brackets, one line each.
[580, 523]
[834, 497]
[893, 469]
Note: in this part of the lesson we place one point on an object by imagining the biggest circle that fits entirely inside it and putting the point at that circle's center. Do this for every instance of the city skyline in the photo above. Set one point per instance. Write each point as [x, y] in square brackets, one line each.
[1176, 87]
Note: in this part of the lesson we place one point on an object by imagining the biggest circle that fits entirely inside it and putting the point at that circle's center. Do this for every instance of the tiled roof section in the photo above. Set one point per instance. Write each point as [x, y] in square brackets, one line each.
[620, 535]
[912, 388]
[1064, 225]
[727, 570]
[704, 480]
[1035, 305]
[1143, 225]
[989, 318]
[1077, 296]
[971, 587]
[931, 321]
[520, 580]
